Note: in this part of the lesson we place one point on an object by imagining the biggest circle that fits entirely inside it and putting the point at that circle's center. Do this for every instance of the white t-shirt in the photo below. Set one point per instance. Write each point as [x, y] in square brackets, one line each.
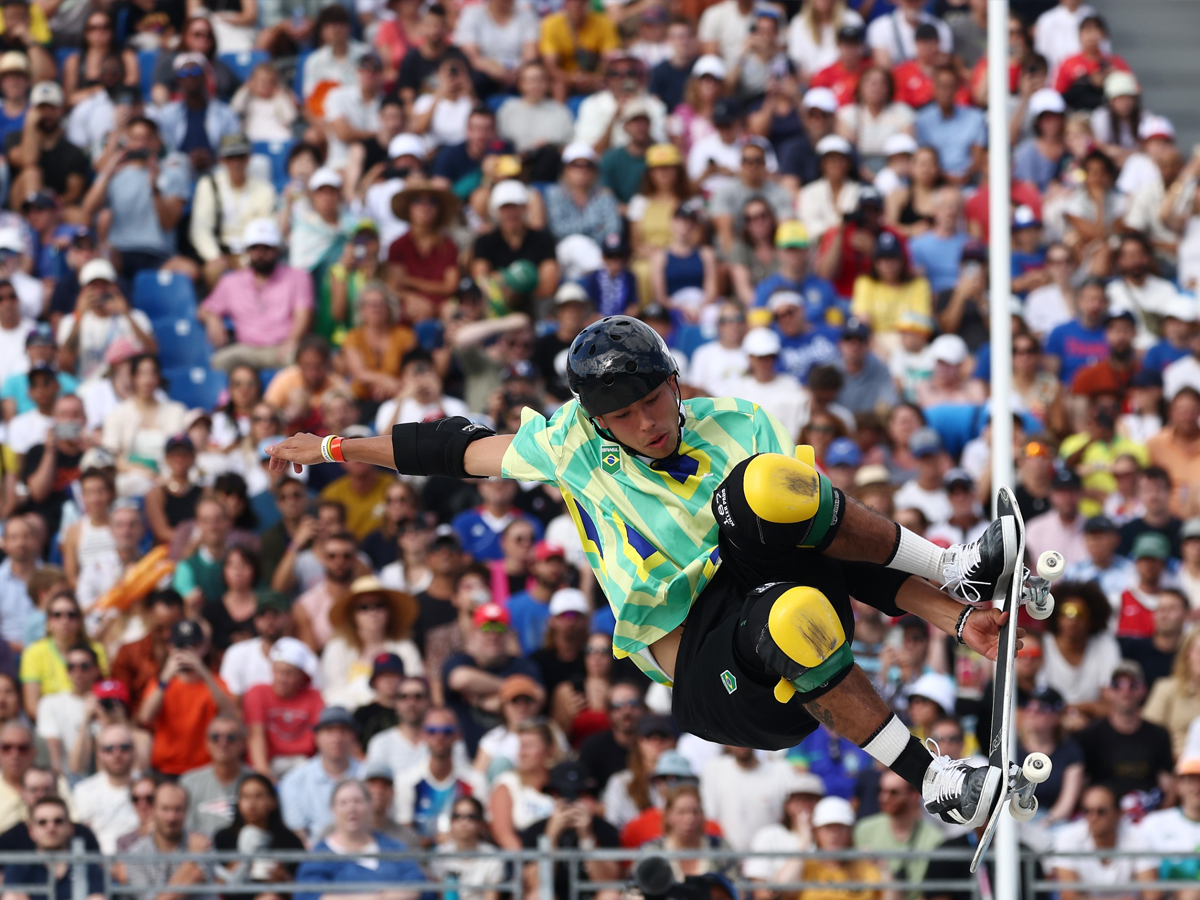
[30, 293]
[13, 360]
[727, 26]
[529, 805]
[404, 806]
[1169, 831]
[1180, 374]
[1153, 298]
[27, 430]
[773, 838]
[414, 411]
[246, 665]
[783, 397]
[1082, 683]
[1100, 870]
[934, 504]
[742, 800]
[59, 716]
[1056, 34]
[96, 333]
[715, 369]
[449, 122]
[106, 809]
[362, 115]
[896, 36]
[378, 207]
[812, 56]
[1046, 309]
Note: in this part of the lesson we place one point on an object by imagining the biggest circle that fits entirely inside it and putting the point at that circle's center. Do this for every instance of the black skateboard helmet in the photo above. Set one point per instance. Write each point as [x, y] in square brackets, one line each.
[615, 362]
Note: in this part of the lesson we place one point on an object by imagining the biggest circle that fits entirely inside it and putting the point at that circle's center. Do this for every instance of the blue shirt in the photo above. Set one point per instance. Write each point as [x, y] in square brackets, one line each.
[1157, 357]
[820, 299]
[477, 537]
[1024, 263]
[939, 258]
[597, 219]
[305, 793]
[15, 605]
[802, 353]
[1077, 347]
[349, 870]
[16, 388]
[10, 124]
[176, 121]
[952, 136]
[529, 618]
[21, 876]
[836, 759]
[611, 296]
[1028, 164]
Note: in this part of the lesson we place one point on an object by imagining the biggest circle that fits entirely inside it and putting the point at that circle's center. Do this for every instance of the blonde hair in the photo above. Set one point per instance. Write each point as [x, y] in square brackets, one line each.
[673, 797]
[1185, 679]
[837, 14]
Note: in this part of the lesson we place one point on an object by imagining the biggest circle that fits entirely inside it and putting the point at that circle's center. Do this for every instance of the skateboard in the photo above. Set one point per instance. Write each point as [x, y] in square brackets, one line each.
[1013, 591]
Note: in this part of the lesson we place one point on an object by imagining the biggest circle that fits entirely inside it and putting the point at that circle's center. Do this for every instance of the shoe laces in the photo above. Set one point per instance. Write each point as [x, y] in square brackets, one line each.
[949, 776]
[963, 560]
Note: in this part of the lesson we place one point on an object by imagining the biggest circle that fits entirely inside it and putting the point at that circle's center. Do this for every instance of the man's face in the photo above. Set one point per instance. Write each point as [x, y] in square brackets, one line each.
[412, 701]
[1155, 495]
[754, 165]
[1092, 302]
[114, 751]
[339, 560]
[213, 524]
[625, 707]
[650, 426]
[263, 258]
[82, 671]
[791, 320]
[1119, 335]
[854, 351]
[163, 619]
[43, 389]
[49, 825]
[225, 741]
[383, 794]
[271, 624]
[481, 130]
[679, 36]
[551, 572]
[441, 732]
[1132, 261]
[10, 308]
[16, 753]
[1101, 813]
[19, 542]
[1150, 569]
[36, 785]
[1126, 693]
[1170, 614]
[325, 200]
[170, 810]
[945, 86]
[499, 492]
[793, 259]
[895, 794]
[1101, 545]
[335, 742]
[1065, 500]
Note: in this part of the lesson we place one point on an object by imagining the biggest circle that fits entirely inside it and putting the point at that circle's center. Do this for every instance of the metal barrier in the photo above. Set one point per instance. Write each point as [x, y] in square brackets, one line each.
[546, 858]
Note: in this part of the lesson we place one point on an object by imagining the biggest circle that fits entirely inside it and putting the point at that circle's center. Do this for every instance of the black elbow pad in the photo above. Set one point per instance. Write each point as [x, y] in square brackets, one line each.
[435, 448]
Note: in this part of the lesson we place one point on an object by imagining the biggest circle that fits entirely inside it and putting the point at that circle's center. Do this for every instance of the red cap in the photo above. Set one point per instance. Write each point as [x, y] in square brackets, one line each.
[111, 689]
[491, 612]
[544, 550]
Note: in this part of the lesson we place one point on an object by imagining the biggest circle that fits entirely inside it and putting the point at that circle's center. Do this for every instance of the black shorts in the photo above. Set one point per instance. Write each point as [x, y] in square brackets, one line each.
[723, 690]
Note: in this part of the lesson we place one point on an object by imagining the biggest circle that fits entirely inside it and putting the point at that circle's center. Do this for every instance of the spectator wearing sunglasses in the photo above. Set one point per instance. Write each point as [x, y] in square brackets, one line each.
[426, 793]
[1101, 828]
[306, 791]
[51, 829]
[102, 801]
[37, 784]
[467, 835]
[213, 788]
[62, 715]
[43, 664]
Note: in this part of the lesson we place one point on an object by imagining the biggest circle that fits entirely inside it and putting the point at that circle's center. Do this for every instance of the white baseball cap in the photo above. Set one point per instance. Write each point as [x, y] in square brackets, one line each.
[820, 98]
[48, 92]
[1156, 127]
[506, 193]
[938, 688]
[324, 177]
[571, 292]
[406, 145]
[296, 653]
[709, 64]
[761, 342]
[949, 348]
[1181, 308]
[899, 143]
[1046, 100]
[1120, 84]
[566, 600]
[10, 239]
[833, 811]
[262, 233]
[578, 150]
[97, 270]
[834, 143]
[781, 299]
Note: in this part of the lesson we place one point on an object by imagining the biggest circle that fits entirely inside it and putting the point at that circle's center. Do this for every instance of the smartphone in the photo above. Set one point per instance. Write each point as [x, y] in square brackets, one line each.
[972, 269]
[137, 155]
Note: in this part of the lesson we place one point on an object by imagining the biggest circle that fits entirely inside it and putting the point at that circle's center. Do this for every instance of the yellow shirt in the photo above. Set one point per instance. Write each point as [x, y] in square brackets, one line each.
[834, 871]
[39, 28]
[1095, 467]
[42, 664]
[596, 36]
[364, 512]
[883, 304]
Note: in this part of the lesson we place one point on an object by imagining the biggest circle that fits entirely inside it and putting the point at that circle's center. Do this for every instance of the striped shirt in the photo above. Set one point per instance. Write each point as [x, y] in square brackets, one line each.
[648, 531]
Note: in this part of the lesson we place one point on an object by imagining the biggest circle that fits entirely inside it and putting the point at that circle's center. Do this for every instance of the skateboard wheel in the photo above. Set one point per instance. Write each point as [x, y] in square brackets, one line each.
[1043, 609]
[1050, 565]
[1023, 813]
[1036, 768]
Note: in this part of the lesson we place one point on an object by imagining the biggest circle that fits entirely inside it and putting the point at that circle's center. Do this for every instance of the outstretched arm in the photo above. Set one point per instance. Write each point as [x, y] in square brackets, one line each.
[482, 458]
[982, 629]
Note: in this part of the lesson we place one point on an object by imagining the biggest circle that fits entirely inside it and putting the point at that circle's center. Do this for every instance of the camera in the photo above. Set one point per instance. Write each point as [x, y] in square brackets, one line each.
[67, 431]
[186, 635]
[137, 155]
[653, 878]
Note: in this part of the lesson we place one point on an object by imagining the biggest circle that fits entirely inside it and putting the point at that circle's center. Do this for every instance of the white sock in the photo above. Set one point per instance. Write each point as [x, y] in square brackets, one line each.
[917, 556]
[889, 741]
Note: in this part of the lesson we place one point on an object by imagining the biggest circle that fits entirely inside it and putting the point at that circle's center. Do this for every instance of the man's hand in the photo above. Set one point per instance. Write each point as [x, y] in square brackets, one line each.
[982, 631]
[217, 335]
[306, 530]
[299, 450]
[561, 819]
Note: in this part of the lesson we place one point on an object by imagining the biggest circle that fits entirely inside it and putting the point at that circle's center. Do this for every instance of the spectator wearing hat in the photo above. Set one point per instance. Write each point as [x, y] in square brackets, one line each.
[833, 829]
[1037, 159]
[227, 199]
[890, 290]
[512, 207]
[213, 789]
[521, 700]
[266, 333]
[1178, 328]
[671, 769]
[913, 76]
[195, 123]
[822, 203]
[927, 491]
[183, 702]
[1139, 600]
[842, 74]
[1093, 61]
[803, 344]
[896, 174]
[427, 792]
[14, 92]
[739, 170]
[316, 225]
[529, 609]
[368, 620]
[306, 789]
[40, 350]
[102, 317]
[764, 385]
[792, 834]
[948, 383]
[911, 360]
[966, 521]
[1112, 572]
[867, 385]
[715, 365]
[794, 274]
[423, 263]
[577, 204]
[572, 310]
[280, 715]
[576, 821]
[1061, 528]
[561, 658]
[473, 678]
[351, 111]
[741, 792]
[706, 108]
[247, 663]
[623, 167]
[40, 155]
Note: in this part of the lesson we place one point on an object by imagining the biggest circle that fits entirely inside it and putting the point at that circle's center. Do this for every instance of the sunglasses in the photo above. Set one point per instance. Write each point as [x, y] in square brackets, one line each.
[370, 607]
[15, 748]
[757, 217]
[947, 738]
[444, 730]
[139, 799]
[117, 748]
[64, 614]
[523, 698]
[754, 160]
[1096, 810]
[626, 704]
[1075, 612]
[243, 382]
[596, 651]
[418, 696]
[470, 817]
[224, 737]
[339, 555]
[78, 666]
[56, 822]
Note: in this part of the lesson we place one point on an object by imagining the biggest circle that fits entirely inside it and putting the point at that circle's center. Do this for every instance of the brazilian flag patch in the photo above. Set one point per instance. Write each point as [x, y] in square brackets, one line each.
[610, 458]
[729, 681]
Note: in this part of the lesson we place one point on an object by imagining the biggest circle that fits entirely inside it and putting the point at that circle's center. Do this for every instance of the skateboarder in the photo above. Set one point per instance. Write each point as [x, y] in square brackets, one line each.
[728, 560]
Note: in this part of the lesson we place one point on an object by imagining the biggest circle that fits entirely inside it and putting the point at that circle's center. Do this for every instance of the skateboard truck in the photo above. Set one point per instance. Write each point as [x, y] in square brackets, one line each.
[1023, 805]
[1035, 589]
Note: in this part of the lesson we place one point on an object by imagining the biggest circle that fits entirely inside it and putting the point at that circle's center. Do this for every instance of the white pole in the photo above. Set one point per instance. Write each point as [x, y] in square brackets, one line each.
[1000, 287]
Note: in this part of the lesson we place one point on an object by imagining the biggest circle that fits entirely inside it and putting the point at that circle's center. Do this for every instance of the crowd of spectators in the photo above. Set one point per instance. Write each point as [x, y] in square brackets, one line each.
[391, 211]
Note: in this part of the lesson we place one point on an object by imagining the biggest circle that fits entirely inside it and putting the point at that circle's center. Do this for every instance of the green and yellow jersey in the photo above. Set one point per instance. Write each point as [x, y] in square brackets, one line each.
[648, 531]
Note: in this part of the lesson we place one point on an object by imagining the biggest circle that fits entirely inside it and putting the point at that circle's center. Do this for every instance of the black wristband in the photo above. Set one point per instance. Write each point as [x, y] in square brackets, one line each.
[435, 448]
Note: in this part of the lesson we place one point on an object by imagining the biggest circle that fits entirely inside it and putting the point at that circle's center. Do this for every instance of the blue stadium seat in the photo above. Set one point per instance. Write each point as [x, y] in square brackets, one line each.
[195, 386]
[164, 295]
[495, 101]
[242, 64]
[146, 61]
[573, 104]
[277, 152]
[181, 343]
[61, 55]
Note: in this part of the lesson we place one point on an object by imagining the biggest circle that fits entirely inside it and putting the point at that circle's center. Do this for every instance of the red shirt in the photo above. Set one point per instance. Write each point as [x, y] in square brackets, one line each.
[288, 722]
[914, 86]
[181, 728]
[979, 75]
[648, 827]
[854, 263]
[840, 80]
[433, 267]
[1075, 67]
[1136, 620]
[1023, 194]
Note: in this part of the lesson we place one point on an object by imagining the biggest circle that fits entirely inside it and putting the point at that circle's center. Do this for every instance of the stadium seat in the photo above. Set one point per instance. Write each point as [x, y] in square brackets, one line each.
[195, 386]
[573, 104]
[61, 55]
[181, 342]
[243, 63]
[164, 295]
[146, 61]
[298, 81]
[277, 153]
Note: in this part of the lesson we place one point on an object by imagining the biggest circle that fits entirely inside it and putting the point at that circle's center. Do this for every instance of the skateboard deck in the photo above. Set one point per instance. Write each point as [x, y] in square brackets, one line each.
[1007, 598]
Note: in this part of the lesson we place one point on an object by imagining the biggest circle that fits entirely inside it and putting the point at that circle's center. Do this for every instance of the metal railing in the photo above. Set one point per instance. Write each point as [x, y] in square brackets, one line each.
[546, 858]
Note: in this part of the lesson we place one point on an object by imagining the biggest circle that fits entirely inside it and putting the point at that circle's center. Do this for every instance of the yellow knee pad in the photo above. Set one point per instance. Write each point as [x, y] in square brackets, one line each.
[782, 489]
[807, 644]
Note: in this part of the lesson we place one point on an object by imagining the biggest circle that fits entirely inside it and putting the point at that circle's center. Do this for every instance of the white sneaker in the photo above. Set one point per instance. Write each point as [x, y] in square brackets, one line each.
[958, 792]
[971, 571]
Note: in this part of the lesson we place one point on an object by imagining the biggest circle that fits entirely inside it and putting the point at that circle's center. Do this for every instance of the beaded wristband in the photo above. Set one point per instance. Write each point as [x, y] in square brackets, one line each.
[962, 621]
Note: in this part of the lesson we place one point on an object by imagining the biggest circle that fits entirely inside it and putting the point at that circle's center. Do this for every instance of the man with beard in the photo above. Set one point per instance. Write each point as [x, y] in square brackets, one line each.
[270, 303]
[1137, 289]
[195, 123]
[1118, 369]
[40, 155]
[311, 610]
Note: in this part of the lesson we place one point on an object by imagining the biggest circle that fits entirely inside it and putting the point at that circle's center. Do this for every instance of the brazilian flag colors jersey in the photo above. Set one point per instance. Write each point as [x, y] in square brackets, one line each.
[649, 532]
